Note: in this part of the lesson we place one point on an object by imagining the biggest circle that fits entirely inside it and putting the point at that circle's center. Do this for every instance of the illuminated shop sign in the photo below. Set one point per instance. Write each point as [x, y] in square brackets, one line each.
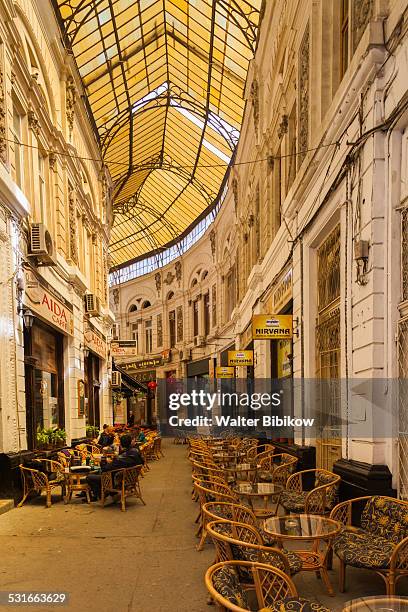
[123, 348]
[40, 297]
[240, 358]
[95, 341]
[224, 372]
[272, 327]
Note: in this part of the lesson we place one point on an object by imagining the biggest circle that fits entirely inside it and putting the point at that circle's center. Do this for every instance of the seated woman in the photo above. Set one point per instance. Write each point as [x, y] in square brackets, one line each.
[106, 437]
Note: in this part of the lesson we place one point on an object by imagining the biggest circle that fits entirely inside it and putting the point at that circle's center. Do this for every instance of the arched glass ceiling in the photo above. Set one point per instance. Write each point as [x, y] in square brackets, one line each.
[164, 81]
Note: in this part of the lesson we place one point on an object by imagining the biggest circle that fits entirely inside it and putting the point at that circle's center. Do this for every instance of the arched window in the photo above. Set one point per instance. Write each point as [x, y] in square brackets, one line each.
[194, 282]
[133, 308]
[170, 295]
[146, 304]
[204, 275]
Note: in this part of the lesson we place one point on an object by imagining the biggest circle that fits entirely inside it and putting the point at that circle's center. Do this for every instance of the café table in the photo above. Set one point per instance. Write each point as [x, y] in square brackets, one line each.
[240, 471]
[73, 477]
[381, 603]
[318, 531]
[256, 491]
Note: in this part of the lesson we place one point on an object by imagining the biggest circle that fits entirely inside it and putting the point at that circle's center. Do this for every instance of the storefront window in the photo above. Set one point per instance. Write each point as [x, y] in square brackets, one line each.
[44, 380]
[92, 387]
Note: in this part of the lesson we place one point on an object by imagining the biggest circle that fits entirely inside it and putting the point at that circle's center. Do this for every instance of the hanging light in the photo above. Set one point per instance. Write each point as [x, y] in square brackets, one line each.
[28, 318]
[86, 351]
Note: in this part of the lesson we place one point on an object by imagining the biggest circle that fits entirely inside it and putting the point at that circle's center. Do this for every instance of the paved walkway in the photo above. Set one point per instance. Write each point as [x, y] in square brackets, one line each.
[143, 560]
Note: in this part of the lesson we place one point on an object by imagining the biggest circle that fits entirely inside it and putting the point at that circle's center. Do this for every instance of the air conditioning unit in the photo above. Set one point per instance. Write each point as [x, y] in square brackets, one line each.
[116, 379]
[42, 245]
[92, 305]
[185, 355]
[199, 340]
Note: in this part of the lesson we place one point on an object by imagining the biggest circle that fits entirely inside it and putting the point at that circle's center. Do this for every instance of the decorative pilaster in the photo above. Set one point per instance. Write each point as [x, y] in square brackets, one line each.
[214, 304]
[213, 243]
[159, 334]
[304, 84]
[73, 247]
[361, 14]
[3, 145]
[178, 270]
[158, 281]
[255, 104]
[179, 323]
[71, 96]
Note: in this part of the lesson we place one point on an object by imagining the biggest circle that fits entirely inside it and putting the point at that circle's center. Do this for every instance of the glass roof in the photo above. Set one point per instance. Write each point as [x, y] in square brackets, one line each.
[164, 81]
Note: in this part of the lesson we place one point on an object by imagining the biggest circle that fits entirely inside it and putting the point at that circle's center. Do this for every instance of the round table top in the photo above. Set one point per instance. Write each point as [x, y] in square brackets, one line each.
[381, 603]
[301, 526]
[240, 467]
[258, 488]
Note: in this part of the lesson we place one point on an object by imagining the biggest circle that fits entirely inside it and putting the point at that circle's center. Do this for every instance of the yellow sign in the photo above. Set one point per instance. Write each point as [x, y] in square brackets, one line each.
[240, 358]
[224, 372]
[272, 327]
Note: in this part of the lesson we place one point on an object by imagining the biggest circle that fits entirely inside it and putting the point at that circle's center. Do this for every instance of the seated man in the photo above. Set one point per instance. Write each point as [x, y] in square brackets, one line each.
[129, 457]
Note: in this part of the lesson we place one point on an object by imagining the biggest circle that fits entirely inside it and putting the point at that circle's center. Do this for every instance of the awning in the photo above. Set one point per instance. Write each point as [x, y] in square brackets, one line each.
[128, 381]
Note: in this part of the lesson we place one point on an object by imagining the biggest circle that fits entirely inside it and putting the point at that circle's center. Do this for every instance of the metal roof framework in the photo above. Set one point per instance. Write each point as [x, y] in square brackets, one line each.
[164, 83]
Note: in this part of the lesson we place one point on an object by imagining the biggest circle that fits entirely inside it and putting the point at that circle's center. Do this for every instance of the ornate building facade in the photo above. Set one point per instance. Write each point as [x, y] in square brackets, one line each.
[313, 225]
[54, 233]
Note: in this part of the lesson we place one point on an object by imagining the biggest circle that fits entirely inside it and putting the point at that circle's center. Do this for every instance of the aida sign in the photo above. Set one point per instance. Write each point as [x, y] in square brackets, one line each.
[240, 358]
[272, 327]
[224, 372]
[43, 300]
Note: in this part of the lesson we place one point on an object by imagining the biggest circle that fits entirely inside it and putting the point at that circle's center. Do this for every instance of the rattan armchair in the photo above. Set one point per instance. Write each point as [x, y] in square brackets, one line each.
[212, 491]
[123, 482]
[39, 481]
[320, 500]
[378, 542]
[276, 468]
[243, 542]
[273, 590]
[216, 511]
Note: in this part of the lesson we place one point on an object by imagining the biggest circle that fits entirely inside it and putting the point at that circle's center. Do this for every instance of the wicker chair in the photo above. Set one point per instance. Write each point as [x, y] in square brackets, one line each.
[216, 511]
[276, 468]
[212, 491]
[273, 589]
[157, 449]
[266, 453]
[241, 542]
[320, 500]
[39, 481]
[123, 482]
[380, 540]
[91, 449]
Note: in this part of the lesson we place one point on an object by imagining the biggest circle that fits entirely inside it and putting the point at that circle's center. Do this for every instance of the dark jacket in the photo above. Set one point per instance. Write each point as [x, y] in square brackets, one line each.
[129, 458]
[105, 439]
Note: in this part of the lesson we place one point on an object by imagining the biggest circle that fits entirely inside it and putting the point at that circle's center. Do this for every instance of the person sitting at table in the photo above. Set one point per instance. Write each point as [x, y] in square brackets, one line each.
[106, 437]
[129, 457]
[141, 438]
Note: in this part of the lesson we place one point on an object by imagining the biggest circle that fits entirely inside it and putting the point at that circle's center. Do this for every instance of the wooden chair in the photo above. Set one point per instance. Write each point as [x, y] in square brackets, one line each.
[123, 482]
[319, 500]
[239, 541]
[276, 468]
[377, 541]
[272, 589]
[39, 481]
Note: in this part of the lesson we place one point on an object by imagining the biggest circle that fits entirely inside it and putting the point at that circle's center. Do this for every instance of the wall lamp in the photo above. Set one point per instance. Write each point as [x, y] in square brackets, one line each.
[28, 317]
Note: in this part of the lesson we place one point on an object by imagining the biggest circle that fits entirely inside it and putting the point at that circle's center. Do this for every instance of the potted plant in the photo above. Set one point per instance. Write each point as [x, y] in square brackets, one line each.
[92, 431]
[50, 438]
